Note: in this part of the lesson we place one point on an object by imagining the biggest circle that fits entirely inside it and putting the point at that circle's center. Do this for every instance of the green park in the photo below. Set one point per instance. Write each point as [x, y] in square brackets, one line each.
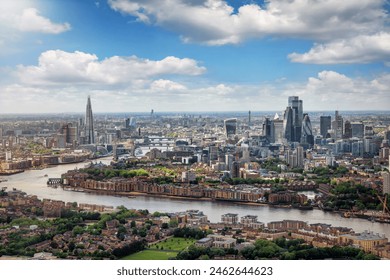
[163, 250]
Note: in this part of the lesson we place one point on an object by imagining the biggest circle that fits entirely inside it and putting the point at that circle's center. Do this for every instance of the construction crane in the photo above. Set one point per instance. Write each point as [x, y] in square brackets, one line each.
[385, 209]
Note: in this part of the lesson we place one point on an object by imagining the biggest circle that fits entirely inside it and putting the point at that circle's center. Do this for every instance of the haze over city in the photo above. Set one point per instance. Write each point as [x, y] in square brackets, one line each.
[132, 56]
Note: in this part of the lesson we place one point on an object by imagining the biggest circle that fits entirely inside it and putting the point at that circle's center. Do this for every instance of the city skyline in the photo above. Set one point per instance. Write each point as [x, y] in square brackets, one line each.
[131, 56]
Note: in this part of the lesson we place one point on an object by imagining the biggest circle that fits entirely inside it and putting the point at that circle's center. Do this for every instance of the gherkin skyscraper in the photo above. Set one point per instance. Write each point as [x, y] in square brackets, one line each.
[307, 132]
[89, 131]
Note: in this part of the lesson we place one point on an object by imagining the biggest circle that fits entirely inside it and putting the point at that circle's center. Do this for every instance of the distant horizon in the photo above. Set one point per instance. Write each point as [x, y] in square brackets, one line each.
[191, 112]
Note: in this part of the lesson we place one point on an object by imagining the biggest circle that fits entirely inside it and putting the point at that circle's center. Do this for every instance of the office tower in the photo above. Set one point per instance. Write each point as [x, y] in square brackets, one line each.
[387, 135]
[130, 123]
[235, 170]
[288, 128]
[347, 130]
[357, 129]
[89, 131]
[229, 161]
[307, 133]
[293, 117]
[338, 125]
[386, 183]
[277, 131]
[127, 123]
[230, 126]
[368, 130]
[213, 153]
[60, 141]
[297, 107]
[325, 125]
[133, 122]
[245, 154]
[70, 132]
[371, 145]
[330, 160]
[357, 148]
[249, 118]
[384, 152]
[267, 128]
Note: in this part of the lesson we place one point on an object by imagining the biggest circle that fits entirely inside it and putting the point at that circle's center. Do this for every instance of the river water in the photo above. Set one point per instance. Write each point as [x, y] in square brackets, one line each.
[34, 182]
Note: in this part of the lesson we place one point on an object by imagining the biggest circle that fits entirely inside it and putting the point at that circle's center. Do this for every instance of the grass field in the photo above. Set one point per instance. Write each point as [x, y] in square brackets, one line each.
[174, 243]
[163, 250]
[151, 255]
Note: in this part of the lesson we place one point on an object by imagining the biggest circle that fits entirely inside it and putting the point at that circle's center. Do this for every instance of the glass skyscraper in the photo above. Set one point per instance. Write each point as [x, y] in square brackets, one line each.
[89, 131]
[293, 117]
[325, 125]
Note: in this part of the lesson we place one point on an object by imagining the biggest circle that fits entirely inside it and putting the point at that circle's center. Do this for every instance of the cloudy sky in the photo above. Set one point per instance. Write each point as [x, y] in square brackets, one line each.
[193, 55]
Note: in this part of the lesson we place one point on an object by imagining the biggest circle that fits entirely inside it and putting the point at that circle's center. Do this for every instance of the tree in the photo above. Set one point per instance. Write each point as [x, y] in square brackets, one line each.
[71, 246]
[121, 232]
[77, 230]
[54, 245]
[142, 232]
[173, 223]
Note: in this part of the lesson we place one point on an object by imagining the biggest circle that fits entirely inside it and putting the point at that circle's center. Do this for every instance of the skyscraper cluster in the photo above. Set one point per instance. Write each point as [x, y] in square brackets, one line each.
[294, 127]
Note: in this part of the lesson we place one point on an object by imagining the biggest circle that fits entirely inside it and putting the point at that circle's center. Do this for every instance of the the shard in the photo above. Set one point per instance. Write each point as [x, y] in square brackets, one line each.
[89, 131]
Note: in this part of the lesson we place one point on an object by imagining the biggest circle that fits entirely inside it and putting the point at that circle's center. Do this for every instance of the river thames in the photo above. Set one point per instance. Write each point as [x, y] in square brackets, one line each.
[34, 182]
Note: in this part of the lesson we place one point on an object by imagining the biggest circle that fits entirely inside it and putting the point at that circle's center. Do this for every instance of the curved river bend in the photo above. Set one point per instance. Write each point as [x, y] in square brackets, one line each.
[34, 182]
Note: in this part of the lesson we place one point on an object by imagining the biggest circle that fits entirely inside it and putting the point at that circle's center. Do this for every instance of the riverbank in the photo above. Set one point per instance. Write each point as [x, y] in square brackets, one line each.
[132, 195]
[10, 172]
[186, 198]
[33, 182]
[51, 165]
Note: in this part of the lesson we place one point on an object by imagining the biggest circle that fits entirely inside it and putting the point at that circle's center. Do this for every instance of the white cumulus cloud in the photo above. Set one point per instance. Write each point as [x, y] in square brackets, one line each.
[21, 15]
[60, 67]
[166, 85]
[335, 90]
[32, 21]
[344, 31]
[215, 22]
[360, 49]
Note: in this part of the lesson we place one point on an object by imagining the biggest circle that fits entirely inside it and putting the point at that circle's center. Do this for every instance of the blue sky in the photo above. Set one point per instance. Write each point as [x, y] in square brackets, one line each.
[193, 55]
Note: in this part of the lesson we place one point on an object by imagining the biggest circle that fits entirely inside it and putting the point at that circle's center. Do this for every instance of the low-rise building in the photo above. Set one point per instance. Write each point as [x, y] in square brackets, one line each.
[204, 242]
[229, 219]
[366, 240]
